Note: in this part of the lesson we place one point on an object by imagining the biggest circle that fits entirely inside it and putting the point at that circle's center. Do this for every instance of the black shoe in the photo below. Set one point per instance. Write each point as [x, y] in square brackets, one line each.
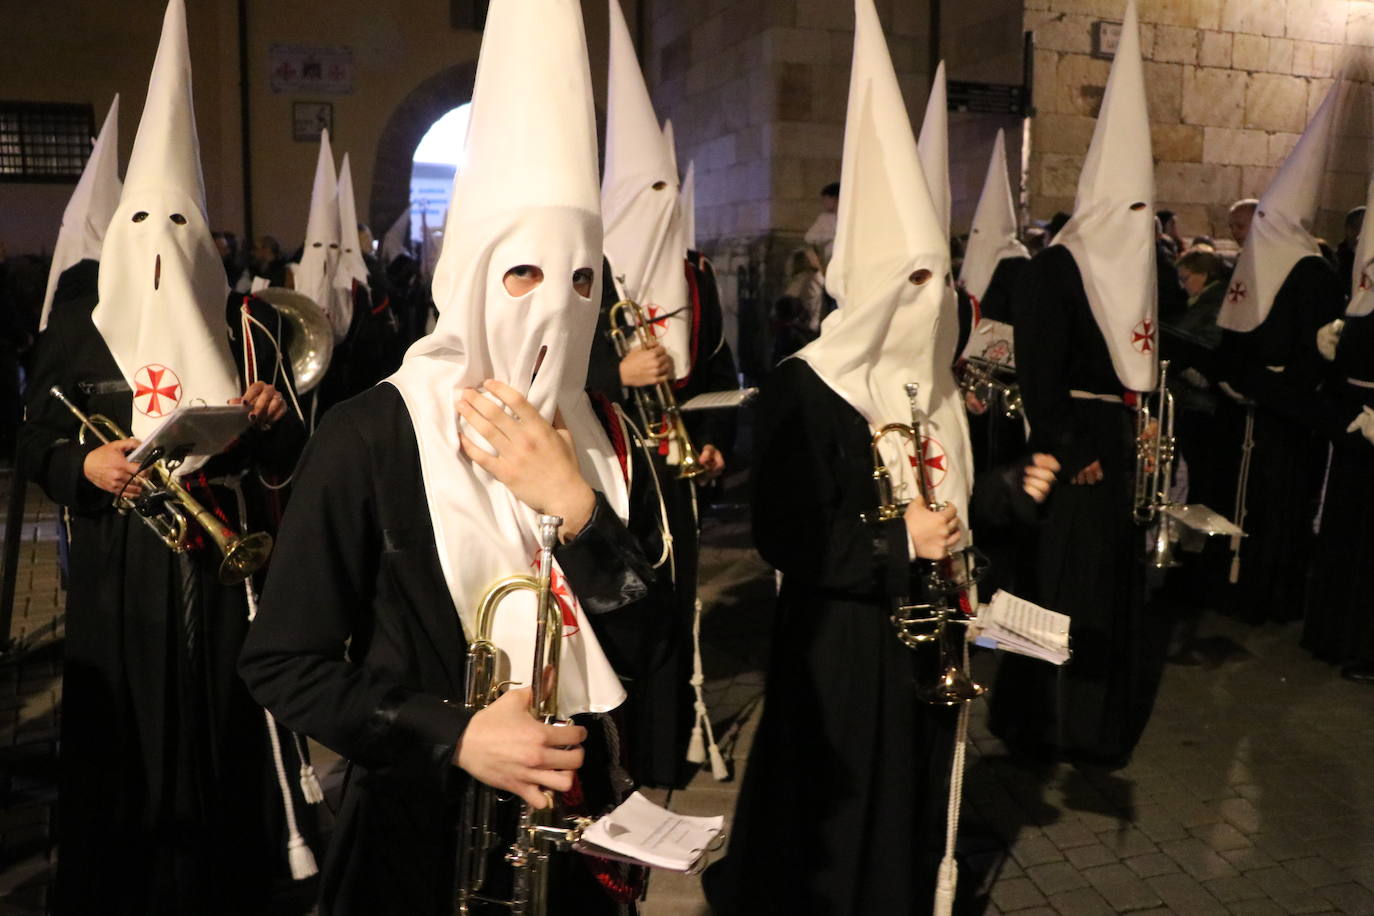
[1360, 673]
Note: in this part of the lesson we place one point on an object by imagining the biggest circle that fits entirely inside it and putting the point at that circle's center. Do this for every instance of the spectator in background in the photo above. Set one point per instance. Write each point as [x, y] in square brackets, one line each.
[1168, 231]
[228, 245]
[1238, 219]
[1172, 298]
[798, 311]
[821, 235]
[267, 261]
[1035, 240]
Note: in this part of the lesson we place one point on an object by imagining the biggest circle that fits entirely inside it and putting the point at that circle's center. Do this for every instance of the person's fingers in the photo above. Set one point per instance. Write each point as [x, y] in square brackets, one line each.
[952, 539]
[125, 446]
[513, 399]
[494, 412]
[564, 735]
[558, 780]
[559, 759]
[531, 793]
[1043, 460]
[949, 512]
[478, 455]
[479, 421]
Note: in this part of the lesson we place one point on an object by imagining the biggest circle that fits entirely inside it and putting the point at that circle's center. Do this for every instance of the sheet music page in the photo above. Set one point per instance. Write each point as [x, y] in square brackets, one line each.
[1017, 625]
[656, 836]
[717, 400]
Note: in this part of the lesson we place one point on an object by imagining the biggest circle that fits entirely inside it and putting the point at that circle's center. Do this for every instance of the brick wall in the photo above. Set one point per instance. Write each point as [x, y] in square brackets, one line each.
[1231, 86]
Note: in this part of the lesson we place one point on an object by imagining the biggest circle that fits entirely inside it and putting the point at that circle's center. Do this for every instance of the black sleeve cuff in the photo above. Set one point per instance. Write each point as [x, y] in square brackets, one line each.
[604, 563]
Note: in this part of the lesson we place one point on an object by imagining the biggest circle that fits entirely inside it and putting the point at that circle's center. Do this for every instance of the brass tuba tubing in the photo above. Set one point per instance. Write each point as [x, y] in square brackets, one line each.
[657, 398]
[173, 508]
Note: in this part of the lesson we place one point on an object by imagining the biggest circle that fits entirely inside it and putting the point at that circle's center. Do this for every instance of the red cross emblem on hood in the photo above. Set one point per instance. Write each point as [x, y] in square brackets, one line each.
[1143, 337]
[1236, 292]
[157, 390]
[936, 463]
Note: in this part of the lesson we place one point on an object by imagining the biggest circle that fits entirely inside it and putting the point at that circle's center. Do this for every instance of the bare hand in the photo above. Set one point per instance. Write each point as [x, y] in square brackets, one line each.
[509, 749]
[713, 461]
[534, 459]
[646, 366]
[1038, 478]
[109, 468]
[265, 404]
[1089, 475]
[973, 405]
[932, 533]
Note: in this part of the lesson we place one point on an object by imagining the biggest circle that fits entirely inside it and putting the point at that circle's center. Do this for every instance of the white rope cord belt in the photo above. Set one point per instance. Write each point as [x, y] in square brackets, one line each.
[1094, 396]
[1359, 382]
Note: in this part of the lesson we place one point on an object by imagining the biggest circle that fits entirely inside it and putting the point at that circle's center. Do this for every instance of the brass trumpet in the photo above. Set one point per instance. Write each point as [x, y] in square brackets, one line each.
[656, 404]
[992, 383]
[948, 584]
[537, 835]
[168, 509]
[1154, 471]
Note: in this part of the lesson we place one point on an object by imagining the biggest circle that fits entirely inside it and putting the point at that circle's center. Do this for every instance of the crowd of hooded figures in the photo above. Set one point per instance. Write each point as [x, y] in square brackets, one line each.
[446, 452]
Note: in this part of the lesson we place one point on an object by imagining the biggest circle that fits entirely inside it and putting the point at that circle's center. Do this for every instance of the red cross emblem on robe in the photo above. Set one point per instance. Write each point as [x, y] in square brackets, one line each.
[1143, 337]
[562, 593]
[936, 462]
[999, 351]
[1236, 292]
[658, 321]
[157, 390]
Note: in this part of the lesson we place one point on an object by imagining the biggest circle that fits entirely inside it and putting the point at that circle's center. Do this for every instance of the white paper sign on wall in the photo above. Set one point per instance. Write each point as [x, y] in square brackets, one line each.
[305, 69]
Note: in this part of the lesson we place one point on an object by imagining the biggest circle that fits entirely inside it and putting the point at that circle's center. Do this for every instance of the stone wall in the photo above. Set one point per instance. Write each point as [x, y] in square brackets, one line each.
[1231, 85]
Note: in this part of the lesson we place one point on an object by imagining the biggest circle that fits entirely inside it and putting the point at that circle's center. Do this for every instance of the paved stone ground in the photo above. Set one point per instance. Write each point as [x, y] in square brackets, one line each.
[1251, 793]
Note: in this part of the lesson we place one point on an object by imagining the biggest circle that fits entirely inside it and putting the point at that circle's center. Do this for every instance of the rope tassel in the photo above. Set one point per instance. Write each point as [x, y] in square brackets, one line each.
[310, 783]
[703, 735]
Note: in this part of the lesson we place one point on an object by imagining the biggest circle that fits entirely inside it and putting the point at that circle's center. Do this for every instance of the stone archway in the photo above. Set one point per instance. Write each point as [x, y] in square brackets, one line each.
[404, 130]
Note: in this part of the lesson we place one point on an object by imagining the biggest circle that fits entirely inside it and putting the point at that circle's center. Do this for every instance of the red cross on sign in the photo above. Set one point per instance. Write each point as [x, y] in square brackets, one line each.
[157, 390]
[936, 462]
[1236, 292]
[1143, 337]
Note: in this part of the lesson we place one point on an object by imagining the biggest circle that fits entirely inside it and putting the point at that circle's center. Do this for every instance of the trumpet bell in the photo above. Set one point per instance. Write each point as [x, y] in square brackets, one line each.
[244, 556]
[953, 688]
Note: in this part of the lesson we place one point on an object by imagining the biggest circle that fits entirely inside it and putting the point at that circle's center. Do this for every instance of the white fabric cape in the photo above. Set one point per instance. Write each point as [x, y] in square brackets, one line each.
[163, 292]
[890, 330]
[89, 210]
[1112, 231]
[527, 196]
[993, 235]
[1281, 229]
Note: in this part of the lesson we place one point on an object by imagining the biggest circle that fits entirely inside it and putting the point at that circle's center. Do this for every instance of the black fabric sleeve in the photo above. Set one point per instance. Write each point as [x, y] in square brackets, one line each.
[604, 563]
[315, 621]
[49, 452]
[1043, 334]
[717, 371]
[809, 492]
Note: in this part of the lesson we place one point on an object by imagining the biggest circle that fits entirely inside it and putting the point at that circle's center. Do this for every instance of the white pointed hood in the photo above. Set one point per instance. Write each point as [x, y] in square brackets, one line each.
[646, 241]
[1362, 274]
[670, 141]
[527, 195]
[1281, 230]
[90, 209]
[933, 146]
[1112, 231]
[163, 293]
[396, 241]
[352, 268]
[689, 206]
[890, 275]
[993, 235]
[314, 275]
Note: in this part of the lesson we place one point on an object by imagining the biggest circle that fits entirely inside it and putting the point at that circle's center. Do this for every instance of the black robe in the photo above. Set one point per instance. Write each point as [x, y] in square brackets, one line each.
[1094, 707]
[168, 802]
[1339, 625]
[842, 806]
[660, 710]
[357, 643]
[1287, 461]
